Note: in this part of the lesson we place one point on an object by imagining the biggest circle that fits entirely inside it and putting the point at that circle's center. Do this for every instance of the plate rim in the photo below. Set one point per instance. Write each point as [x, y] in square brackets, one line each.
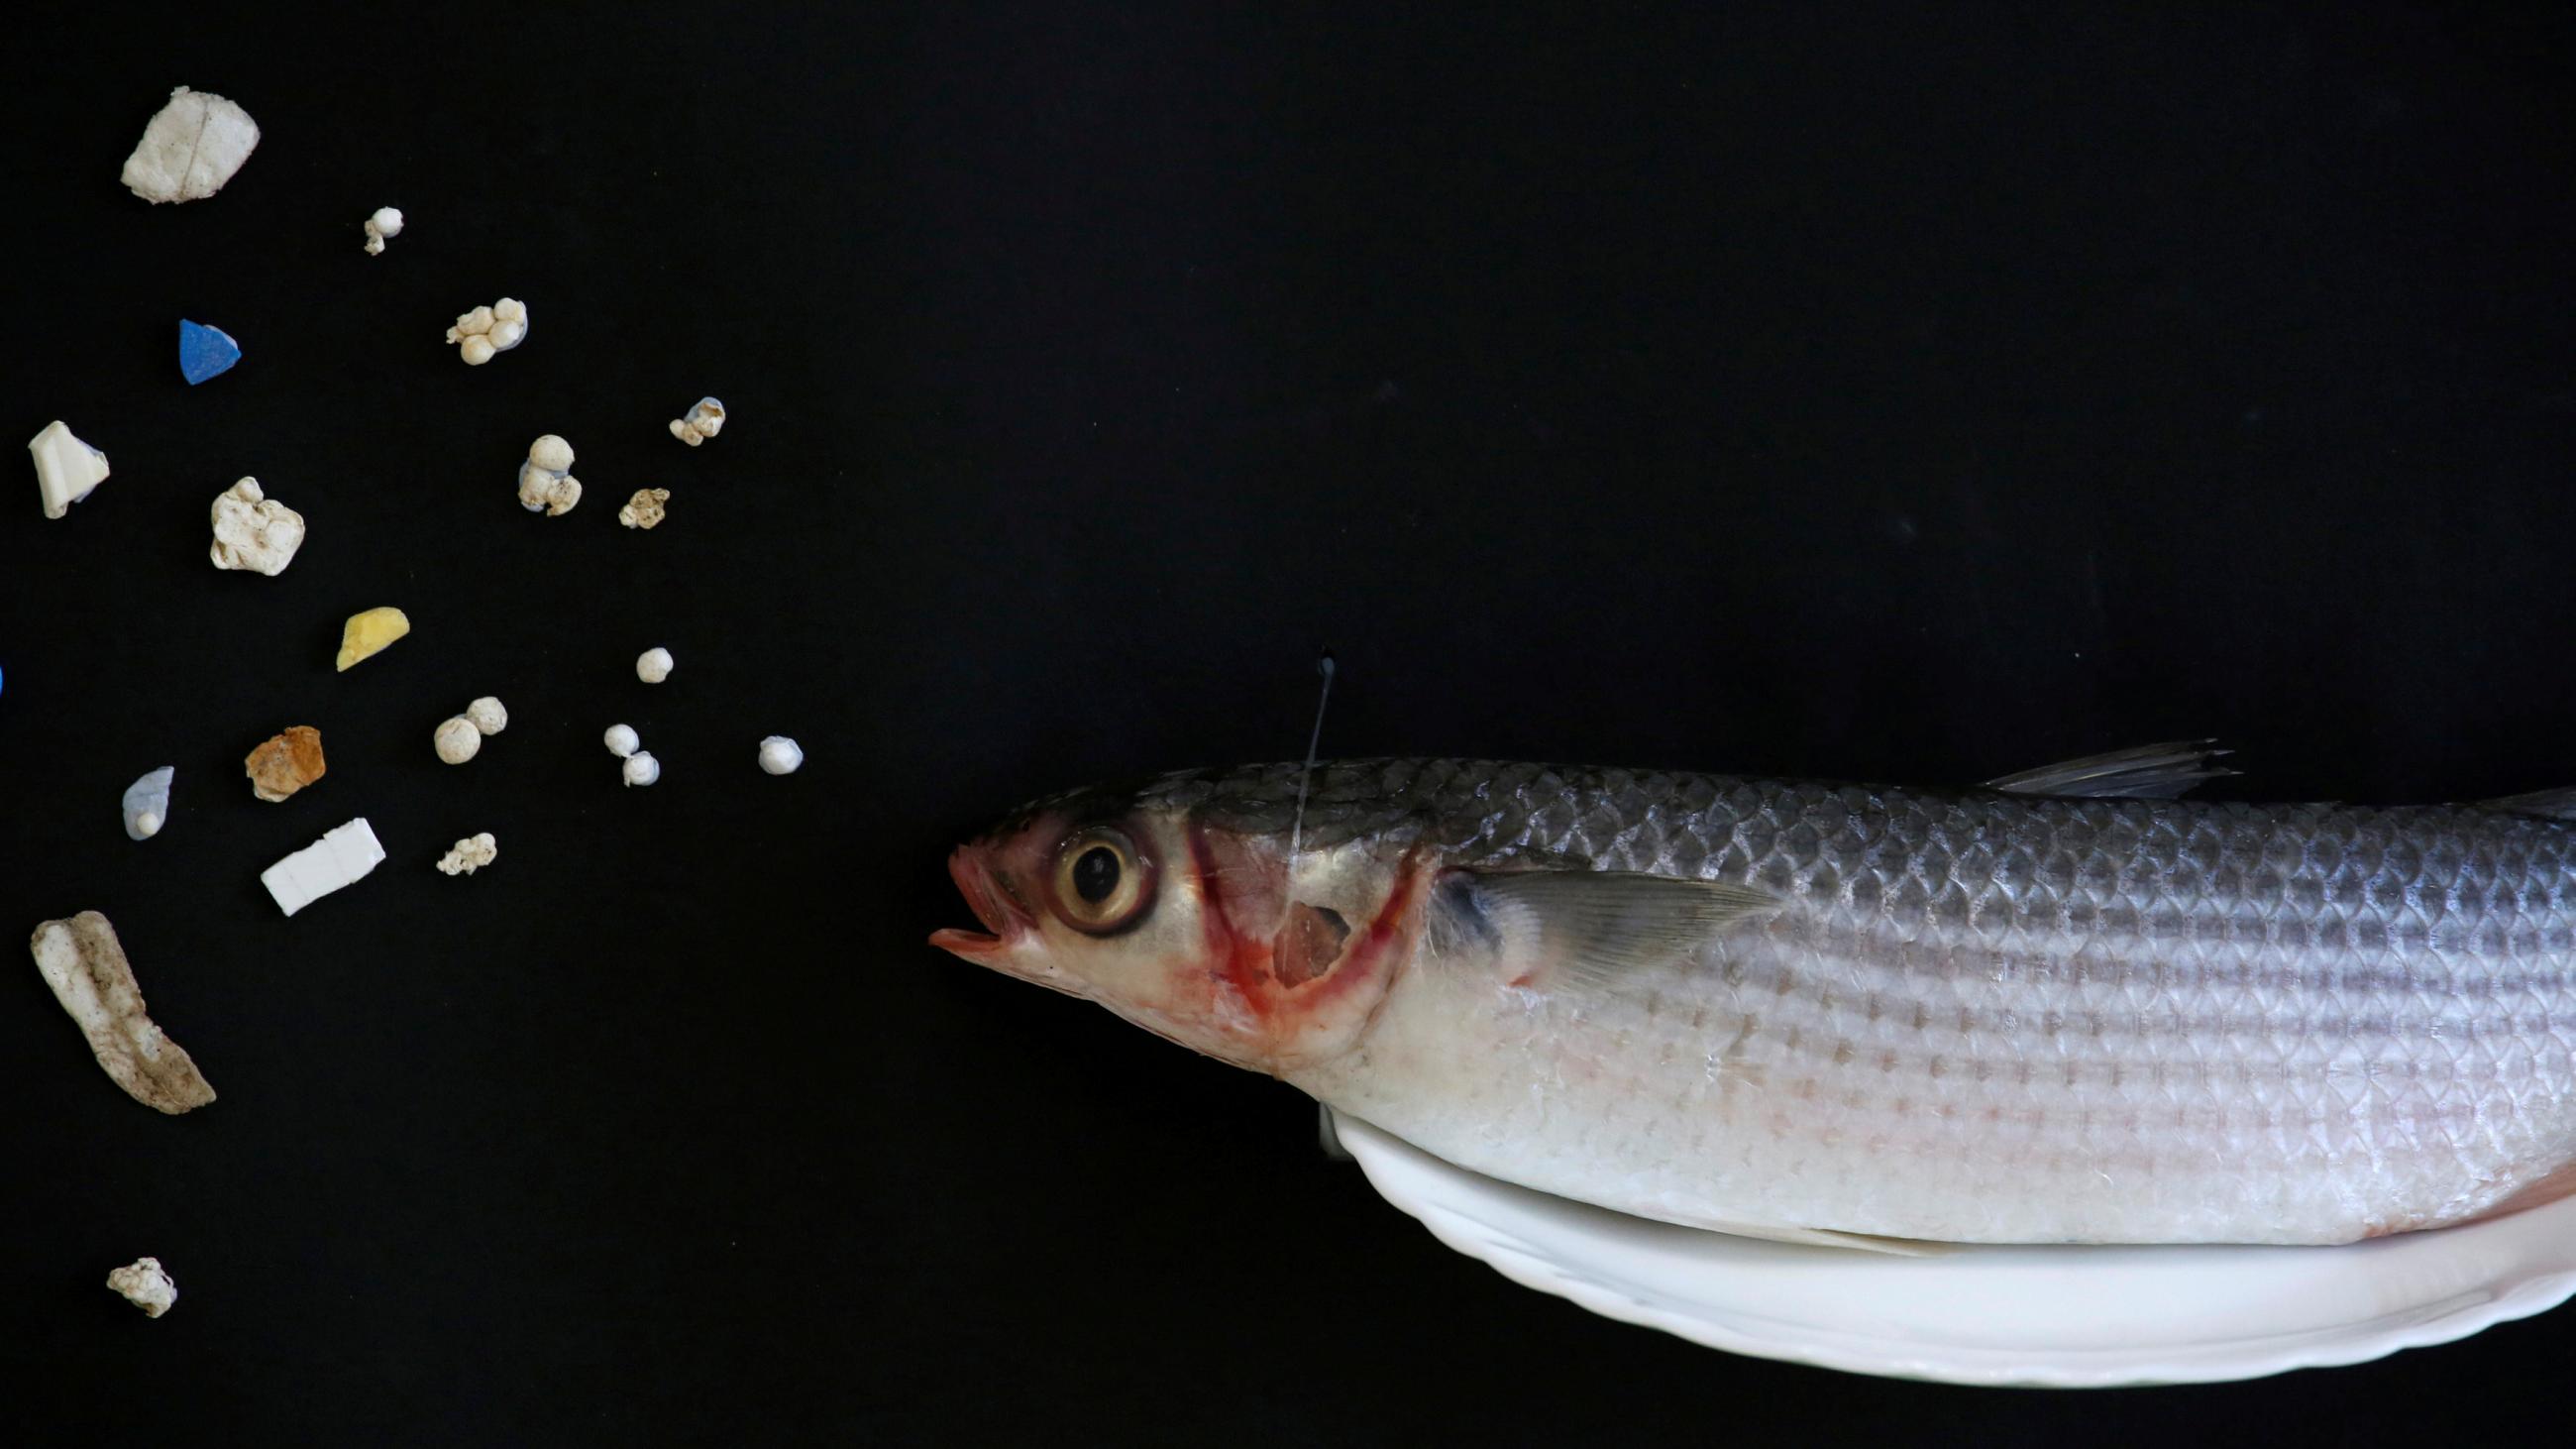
[1377, 1150]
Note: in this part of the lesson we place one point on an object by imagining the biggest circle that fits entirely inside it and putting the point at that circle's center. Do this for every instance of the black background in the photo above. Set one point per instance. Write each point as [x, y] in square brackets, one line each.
[1855, 394]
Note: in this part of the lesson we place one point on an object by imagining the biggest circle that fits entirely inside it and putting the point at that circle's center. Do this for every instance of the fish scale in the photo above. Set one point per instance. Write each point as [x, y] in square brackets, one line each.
[1981, 1016]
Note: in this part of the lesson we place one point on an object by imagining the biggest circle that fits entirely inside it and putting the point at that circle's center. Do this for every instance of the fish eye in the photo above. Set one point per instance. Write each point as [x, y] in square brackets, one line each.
[1102, 882]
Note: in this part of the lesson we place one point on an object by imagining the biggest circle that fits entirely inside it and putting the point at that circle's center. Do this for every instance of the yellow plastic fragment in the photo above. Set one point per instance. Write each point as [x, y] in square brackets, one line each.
[370, 631]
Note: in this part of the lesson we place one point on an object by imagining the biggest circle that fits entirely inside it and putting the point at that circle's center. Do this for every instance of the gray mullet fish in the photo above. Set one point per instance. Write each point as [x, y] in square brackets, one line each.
[2062, 1007]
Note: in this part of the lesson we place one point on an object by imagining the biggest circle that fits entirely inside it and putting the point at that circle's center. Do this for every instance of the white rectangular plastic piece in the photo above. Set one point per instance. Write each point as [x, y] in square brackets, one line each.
[339, 857]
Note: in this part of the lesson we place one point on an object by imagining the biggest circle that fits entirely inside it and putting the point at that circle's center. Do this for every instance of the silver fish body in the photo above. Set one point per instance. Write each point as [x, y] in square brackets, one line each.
[1969, 1016]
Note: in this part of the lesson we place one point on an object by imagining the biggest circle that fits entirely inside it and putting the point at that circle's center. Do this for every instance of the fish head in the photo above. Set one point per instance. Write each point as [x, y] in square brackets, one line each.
[1223, 936]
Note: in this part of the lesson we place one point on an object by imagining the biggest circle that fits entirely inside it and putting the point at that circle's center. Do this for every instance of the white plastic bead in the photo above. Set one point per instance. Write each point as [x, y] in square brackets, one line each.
[487, 716]
[551, 453]
[621, 741]
[780, 755]
[642, 768]
[653, 665]
[457, 740]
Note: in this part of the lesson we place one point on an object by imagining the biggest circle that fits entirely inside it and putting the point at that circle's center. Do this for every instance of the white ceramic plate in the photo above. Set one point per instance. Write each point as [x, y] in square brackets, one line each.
[2064, 1317]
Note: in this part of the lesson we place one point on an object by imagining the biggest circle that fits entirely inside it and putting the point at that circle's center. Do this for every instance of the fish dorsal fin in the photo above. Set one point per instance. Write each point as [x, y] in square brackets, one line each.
[1590, 926]
[2558, 804]
[2149, 772]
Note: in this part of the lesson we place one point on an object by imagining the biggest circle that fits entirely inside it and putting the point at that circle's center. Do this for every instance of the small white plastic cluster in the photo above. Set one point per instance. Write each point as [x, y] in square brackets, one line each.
[460, 737]
[706, 419]
[653, 665]
[470, 854]
[640, 768]
[484, 331]
[385, 225]
[145, 1284]
[645, 509]
[546, 484]
[780, 755]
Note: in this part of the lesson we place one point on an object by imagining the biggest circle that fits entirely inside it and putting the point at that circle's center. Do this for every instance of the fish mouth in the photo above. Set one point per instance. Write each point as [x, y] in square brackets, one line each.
[970, 866]
[1008, 923]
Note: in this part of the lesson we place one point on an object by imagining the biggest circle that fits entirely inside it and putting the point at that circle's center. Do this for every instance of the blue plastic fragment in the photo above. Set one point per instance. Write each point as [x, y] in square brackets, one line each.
[205, 352]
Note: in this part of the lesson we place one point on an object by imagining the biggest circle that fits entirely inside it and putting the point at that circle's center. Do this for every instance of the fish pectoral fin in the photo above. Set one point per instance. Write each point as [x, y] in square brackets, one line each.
[2149, 772]
[1593, 926]
[1828, 1238]
[2559, 804]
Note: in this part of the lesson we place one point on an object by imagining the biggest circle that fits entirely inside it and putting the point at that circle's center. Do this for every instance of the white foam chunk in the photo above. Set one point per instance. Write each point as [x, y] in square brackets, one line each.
[191, 148]
[145, 1284]
[338, 858]
[66, 468]
[253, 531]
